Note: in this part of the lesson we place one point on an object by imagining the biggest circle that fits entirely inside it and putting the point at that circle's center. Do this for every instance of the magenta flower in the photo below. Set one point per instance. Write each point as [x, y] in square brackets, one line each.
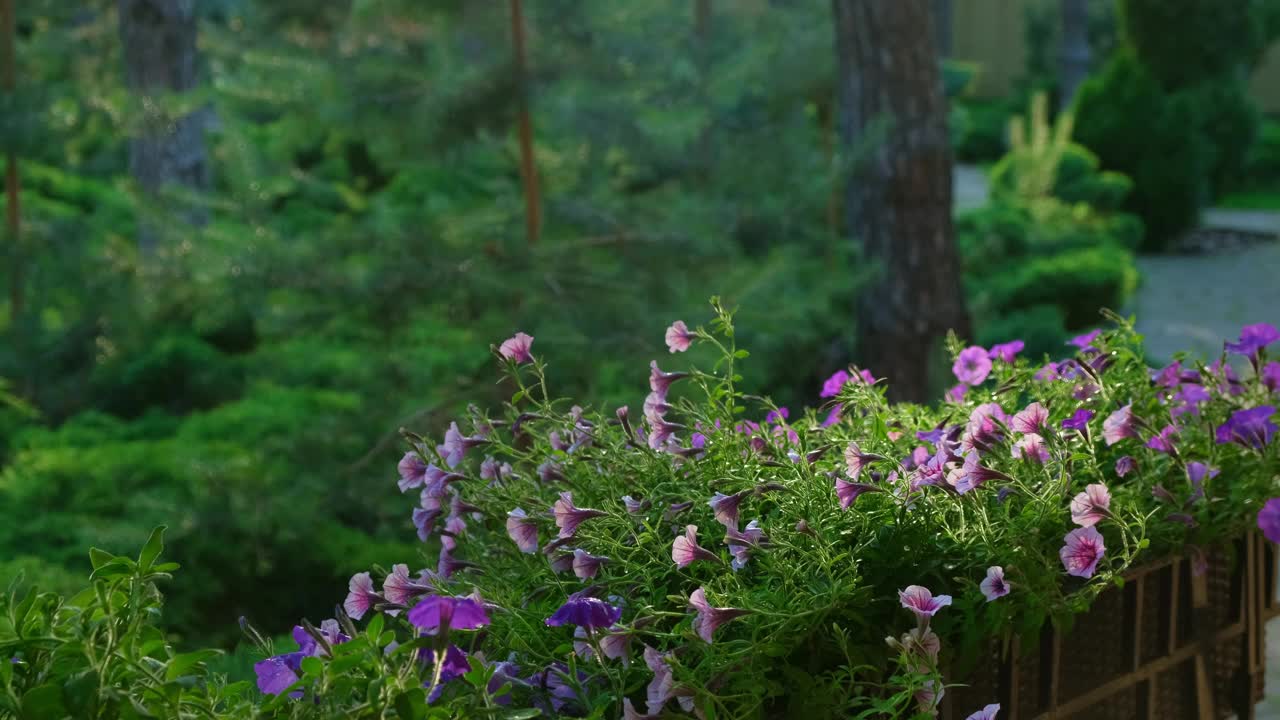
[522, 530]
[1047, 373]
[1164, 440]
[833, 417]
[1189, 398]
[659, 381]
[678, 337]
[360, 596]
[1125, 465]
[1078, 420]
[456, 445]
[438, 614]
[1085, 341]
[831, 386]
[972, 365]
[569, 517]
[994, 585]
[585, 611]
[973, 474]
[586, 565]
[1169, 376]
[398, 588]
[655, 406]
[742, 543]
[919, 600]
[855, 459]
[1269, 520]
[1031, 419]
[517, 348]
[985, 428]
[1091, 506]
[1031, 447]
[1006, 352]
[1253, 338]
[986, 713]
[1250, 428]
[956, 393]
[1082, 550]
[708, 618]
[1119, 425]
[726, 507]
[425, 517]
[661, 432]
[685, 550]
[848, 492]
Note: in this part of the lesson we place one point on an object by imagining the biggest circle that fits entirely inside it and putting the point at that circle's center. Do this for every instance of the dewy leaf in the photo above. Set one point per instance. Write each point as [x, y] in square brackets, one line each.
[98, 558]
[181, 664]
[151, 550]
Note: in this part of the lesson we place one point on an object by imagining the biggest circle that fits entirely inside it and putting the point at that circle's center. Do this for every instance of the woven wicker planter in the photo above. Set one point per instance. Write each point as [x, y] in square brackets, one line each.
[1170, 644]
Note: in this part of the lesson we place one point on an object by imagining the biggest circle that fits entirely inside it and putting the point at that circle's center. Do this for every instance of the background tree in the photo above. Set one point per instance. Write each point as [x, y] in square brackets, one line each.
[898, 199]
[1073, 54]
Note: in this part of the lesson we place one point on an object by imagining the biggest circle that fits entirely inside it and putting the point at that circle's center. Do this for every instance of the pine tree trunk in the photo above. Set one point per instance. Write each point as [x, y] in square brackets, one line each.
[159, 40]
[942, 24]
[1074, 55]
[898, 198]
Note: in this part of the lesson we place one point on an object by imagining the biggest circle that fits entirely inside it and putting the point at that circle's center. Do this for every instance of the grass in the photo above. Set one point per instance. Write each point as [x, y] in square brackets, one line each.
[1265, 198]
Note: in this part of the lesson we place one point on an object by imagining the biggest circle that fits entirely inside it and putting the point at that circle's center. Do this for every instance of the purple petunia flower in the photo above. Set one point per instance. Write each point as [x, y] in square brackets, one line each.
[1079, 420]
[413, 471]
[1119, 425]
[1125, 465]
[986, 713]
[855, 459]
[685, 550]
[831, 386]
[425, 517]
[972, 474]
[1031, 447]
[972, 365]
[742, 543]
[1047, 373]
[1031, 419]
[1006, 352]
[1253, 338]
[438, 614]
[708, 619]
[635, 506]
[1188, 399]
[678, 337]
[398, 588]
[1270, 375]
[585, 611]
[1091, 506]
[985, 428]
[456, 445]
[360, 596]
[929, 697]
[454, 666]
[659, 381]
[1170, 376]
[1251, 428]
[586, 565]
[848, 492]
[517, 348]
[1269, 520]
[662, 688]
[569, 517]
[1082, 549]
[919, 600]
[1085, 341]
[522, 530]
[615, 643]
[275, 674]
[1164, 440]
[726, 507]
[956, 393]
[674, 509]
[994, 585]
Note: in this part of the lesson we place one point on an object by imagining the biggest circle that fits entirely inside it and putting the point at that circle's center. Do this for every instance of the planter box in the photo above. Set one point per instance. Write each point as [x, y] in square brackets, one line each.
[1169, 644]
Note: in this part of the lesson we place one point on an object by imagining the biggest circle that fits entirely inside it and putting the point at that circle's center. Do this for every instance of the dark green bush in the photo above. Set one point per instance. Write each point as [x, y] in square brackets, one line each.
[1042, 327]
[979, 129]
[1080, 282]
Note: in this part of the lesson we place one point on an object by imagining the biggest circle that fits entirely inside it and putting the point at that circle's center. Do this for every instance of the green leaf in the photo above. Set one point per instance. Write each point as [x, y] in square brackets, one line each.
[375, 627]
[519, 714]
[43, 702]
[345, 663]
[166, 567]
[98, 558]
[740, 354]
[312, 665]
[151, 550]
[412, 705]
[181, 664]
[119, 567]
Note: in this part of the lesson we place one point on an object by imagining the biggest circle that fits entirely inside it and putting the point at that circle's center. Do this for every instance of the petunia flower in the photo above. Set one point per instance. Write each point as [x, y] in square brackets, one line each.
[655, 406]
[708, 619]
[955, 393]
[1031, 419]
[659, 381]
[674, 509]
[1079, 420]
[438, 614]
[453, 666]
[661, 432]
[1197, 473]
[585, 611]
[425, 517]
[1031, 447]
[1188, 399]
[1006, 352]
[1164, 440]
[972, 474]
[1169, 376]
[678, 337]
[522, 530]
[517, 348]
[662, 688]
[919, 600]
[586, 565]
[413, 471]
[456, 445]
[833, 417]
[1048, 373]
[742, 543]
[447, 564]
[972, 365]
[635, 506]
[686, 550]
[848, 492]
[398, 588]
[1081, 551]
[1270, 375]
[985, 428]
[726, 507]
[1125, 465]
[1085, 341]
[994, 585]
[1250, 428]
[855, 459]
[929, 696]
[454, 528]
[569, 516]
[1091, 506]
[1119, 425]
[360, 596]
[831, 386]
[1225, 377]
[614, 643]
[986, 713]
[1269, 520]
[1253, 338]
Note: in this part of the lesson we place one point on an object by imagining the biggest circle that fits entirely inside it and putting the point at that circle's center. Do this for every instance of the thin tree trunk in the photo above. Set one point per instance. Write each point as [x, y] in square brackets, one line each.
[159, 40]
[528, 171]
[1074, 55]
[898, 200]
[12, 215]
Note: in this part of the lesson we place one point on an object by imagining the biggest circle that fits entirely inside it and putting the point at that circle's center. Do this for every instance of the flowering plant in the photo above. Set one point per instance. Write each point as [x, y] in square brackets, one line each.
[714, 555]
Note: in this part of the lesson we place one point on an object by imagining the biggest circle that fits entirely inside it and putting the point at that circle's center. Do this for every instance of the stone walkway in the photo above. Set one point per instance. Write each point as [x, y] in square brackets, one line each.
[1193, 303]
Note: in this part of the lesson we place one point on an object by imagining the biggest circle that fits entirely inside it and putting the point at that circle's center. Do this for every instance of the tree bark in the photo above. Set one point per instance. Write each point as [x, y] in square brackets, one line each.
[159, 40]
[528, 170]
[1074, 54]
[12, 215]
[898, 199]
[942, 23]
